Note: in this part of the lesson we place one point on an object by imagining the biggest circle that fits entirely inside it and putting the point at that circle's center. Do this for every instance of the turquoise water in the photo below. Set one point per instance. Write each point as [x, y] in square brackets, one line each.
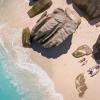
[7, 90]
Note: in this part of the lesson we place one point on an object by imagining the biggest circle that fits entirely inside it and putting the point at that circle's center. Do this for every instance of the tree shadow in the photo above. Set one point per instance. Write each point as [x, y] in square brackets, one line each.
[53, 52]
[82, 13]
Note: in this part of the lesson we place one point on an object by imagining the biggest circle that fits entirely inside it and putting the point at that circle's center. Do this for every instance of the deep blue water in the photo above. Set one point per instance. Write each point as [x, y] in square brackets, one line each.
[7, 90]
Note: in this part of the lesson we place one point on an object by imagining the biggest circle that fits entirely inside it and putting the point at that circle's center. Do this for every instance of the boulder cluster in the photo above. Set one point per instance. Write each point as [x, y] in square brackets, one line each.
[54, 28]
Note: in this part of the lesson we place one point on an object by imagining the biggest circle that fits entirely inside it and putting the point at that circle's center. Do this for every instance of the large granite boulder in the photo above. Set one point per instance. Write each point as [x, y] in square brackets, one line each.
[90, 7]
[52, 29]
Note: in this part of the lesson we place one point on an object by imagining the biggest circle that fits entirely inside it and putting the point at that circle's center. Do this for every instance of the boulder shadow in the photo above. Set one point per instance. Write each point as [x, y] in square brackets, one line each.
[69, 1]
[77, 9]
[53, 52]
[82, 13]
[95, 21]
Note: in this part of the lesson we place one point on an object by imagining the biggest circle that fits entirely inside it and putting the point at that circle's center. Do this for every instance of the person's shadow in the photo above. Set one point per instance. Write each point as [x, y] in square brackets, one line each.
[83, 14]
[53, 52]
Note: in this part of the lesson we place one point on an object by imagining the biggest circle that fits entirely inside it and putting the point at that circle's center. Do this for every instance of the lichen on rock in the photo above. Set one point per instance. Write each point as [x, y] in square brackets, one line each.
[26, 37]
[82, 51]
[80, 84]
[38, 7]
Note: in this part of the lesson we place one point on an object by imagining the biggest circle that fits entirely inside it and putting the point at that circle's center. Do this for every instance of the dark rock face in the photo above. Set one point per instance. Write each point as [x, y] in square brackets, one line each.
[52, 29]
[90, 7]
[97, 45]
[96, 53]
[38, 7]
[31, 2]
[97, 56]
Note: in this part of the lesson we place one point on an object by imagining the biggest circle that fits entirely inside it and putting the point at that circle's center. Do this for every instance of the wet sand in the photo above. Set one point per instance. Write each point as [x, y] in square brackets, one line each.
[64, 69]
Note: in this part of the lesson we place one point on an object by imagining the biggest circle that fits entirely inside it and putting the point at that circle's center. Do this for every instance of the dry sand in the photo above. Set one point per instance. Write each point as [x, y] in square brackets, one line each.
[64, 69]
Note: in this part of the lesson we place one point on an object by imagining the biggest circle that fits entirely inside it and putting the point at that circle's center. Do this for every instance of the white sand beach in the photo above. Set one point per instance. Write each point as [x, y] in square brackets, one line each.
[64, 68]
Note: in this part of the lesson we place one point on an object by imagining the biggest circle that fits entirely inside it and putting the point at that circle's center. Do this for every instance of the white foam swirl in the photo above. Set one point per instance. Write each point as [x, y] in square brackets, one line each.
[20, 68]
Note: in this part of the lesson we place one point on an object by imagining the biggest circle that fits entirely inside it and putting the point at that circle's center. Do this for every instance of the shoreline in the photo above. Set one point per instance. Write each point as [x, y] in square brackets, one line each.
[24, 72]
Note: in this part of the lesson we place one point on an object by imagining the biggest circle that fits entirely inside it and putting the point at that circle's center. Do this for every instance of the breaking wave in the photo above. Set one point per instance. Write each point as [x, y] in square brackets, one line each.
[31, 80]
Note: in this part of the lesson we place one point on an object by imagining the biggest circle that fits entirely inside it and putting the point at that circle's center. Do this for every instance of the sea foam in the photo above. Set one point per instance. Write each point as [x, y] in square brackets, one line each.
[20, 69]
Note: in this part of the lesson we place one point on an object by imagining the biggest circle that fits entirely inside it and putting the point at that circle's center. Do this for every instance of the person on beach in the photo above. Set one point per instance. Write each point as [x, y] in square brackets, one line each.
[83, 61]
[94, 70]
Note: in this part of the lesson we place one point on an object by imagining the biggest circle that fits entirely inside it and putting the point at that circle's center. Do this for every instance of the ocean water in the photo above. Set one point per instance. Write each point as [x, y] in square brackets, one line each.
[7, 90]
[23, 80]
[12, 87]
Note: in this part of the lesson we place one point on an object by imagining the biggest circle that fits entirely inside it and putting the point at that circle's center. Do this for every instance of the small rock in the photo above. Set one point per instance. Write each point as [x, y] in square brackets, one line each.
[38, 7]
[82, 51]
[26, 37]
[80, 84]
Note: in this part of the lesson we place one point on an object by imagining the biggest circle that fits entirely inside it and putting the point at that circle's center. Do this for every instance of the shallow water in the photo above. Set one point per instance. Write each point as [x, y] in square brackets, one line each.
[7, 90]
[12, 86]
[20, 80]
